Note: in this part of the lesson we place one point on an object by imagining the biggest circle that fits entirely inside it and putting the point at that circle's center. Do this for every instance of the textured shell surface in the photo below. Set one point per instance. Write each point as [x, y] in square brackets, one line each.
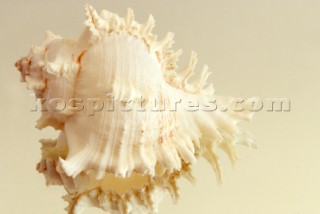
[123, 144]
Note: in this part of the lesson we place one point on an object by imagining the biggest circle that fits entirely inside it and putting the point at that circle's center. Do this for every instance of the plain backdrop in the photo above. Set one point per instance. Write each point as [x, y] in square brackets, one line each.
[265, 48]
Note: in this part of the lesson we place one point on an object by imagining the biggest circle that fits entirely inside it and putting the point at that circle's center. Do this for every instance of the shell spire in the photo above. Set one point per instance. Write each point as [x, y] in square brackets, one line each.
[189, 70]
[147, 28]
[108, 22]
[94, 22]
[201, 81]
[129, 19]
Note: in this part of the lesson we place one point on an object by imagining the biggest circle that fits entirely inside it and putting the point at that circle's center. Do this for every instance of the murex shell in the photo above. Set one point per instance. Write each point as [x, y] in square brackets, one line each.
[123, 161]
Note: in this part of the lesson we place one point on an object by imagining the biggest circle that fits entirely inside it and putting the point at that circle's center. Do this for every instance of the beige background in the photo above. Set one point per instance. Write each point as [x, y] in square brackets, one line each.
[267, 48]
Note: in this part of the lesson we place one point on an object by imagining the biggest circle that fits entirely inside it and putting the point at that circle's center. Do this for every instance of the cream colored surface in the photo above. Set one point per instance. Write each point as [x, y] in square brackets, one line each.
[255, 48]
[117, 59]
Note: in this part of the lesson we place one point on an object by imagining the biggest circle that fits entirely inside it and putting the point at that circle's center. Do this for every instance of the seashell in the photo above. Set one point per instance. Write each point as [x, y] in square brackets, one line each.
[120, 159]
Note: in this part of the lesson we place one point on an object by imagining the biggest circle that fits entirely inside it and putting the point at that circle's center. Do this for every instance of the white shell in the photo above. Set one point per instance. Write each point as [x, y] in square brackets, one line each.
[123, 161]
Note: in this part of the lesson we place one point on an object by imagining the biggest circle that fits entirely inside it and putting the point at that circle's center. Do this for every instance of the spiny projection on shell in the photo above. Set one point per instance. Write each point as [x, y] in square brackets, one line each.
[124, 161]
